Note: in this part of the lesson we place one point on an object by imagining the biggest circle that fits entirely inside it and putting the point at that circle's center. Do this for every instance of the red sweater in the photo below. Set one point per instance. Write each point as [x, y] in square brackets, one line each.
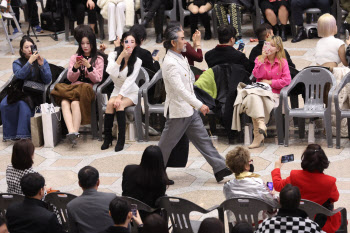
[316, 187]
[192, 55]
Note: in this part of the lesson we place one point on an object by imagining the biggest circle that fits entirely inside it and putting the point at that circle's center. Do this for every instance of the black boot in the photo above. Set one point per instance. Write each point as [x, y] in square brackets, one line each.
[108, 125]
[301, 35]
[206, 23]
[283, 32]
[121, 131]
[276, 30]
[159, 38]
[194, 24]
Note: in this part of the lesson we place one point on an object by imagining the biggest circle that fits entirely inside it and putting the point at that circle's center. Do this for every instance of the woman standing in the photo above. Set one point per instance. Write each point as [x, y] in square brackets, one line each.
[123, 68]
[18, 106]
[85, 69]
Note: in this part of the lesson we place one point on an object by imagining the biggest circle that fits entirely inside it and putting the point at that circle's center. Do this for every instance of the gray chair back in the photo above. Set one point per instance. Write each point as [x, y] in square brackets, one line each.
[312, 208]
[60, 201]
[244, 209]
[341, 113]
[6, 199]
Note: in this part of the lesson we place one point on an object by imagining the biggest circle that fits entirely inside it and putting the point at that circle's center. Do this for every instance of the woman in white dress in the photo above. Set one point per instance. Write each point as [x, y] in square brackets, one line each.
[123, 68]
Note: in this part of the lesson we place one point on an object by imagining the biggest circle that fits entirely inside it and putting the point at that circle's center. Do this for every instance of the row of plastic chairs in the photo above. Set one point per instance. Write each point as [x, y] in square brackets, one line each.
[178, 210]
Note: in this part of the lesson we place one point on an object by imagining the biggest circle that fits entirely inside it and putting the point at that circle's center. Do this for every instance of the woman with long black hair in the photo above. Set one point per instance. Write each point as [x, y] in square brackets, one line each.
[85, 69]
[146, 182]
[123, 68]
[18, 105]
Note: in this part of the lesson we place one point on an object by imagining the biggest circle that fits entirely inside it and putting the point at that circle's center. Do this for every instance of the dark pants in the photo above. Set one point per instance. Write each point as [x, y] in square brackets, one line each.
[80, 9]
[15, 7]
[33, 12]
[157, 7]
[298, 7]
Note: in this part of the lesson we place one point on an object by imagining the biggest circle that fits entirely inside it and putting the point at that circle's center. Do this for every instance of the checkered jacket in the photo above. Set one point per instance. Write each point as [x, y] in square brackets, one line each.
[13, 178]
[288, 224]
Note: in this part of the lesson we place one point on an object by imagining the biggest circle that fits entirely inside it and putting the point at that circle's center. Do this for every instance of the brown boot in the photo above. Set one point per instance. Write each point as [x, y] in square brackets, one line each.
[258, 137]
[262, 126]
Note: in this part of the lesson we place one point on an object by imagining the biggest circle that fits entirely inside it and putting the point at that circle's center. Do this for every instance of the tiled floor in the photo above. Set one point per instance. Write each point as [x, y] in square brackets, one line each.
[195, 182]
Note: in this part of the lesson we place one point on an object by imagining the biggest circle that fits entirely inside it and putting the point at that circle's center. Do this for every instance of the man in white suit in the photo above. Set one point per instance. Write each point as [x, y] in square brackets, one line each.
[181, 106]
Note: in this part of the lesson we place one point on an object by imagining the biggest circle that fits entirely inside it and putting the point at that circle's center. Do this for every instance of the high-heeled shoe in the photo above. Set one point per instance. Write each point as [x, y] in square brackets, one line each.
[258, 137]
[72, 138]
[262, 126]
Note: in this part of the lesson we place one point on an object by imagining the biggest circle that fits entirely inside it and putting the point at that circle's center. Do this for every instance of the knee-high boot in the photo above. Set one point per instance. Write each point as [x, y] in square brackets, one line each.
[206, 23]
[108, 125]
[194, 23]
[258, 137]
[121, 131]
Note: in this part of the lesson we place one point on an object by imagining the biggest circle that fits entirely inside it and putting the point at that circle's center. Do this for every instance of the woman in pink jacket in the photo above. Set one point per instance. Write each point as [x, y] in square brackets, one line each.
[85, 69]
[270, 68]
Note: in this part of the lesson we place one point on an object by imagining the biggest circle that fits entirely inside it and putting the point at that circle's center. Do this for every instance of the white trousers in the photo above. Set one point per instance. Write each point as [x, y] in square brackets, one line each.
[116, 20]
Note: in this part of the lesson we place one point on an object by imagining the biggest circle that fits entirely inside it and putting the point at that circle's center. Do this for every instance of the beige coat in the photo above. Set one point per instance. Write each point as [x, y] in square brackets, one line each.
[247, 105]
[180, 97]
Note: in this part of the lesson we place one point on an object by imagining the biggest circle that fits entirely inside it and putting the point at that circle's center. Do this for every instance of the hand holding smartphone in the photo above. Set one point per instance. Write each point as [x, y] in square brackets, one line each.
[155, 52]
[79, 58]
[134, 209]
[287, 158]
[241, 47]
[269, 185]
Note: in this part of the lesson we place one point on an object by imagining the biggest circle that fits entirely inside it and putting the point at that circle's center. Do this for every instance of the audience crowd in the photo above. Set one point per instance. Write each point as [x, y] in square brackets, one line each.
[268, 62]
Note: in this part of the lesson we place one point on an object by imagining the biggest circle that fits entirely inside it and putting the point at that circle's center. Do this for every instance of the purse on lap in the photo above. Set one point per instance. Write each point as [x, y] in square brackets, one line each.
[31, 86]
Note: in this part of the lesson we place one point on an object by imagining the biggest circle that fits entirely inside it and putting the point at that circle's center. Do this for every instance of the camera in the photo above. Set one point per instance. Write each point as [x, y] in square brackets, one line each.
[33, 48]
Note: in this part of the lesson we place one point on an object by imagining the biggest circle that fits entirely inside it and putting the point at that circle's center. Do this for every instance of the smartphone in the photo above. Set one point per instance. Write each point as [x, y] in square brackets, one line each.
[241, 47]
[134, 209]
[346, 34]
[79, 58]
[287, 158]
[155, 52]
[33, 48]
[269, 185]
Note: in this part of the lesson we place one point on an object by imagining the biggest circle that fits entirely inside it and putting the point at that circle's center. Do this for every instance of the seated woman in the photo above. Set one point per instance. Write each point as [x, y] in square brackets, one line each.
[246, 183]
[272, 74]
[148, 181]
[200, 8]
[271, 9]
[314, 185]
[85, 69]
[123, 68]
[18, 105]
[330, 51]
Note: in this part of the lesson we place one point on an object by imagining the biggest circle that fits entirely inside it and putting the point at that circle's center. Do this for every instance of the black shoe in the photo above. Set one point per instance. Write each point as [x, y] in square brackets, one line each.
[207, 35]
[159, 38]
[72, 138]
[170, 182]
[145, 23]
[276, 30]
[283, 32]
[219, 176]
[301, 35]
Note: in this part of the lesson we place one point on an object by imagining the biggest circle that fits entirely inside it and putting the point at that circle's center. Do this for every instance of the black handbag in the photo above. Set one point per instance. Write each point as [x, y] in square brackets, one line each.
[31, 86]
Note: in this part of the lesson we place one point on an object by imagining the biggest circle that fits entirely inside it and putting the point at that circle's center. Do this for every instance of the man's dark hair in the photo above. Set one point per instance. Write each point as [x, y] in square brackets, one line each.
[242, 227]
[225, 33]
[32, 183]
[314, 159]
[169, 35]
[22, 154]
[139, 32]
[290, 197]
[88, 177]
[262, 30]
[155, 223]
[119, 209]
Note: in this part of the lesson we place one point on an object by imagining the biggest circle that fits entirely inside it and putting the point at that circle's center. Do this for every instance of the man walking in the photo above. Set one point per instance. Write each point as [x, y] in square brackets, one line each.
[181, 106]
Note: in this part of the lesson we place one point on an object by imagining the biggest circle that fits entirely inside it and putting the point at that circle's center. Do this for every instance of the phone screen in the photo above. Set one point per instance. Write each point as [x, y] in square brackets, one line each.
[287, 158]
[134, 209]
[241, 47]
[155, 52]
[269, 185]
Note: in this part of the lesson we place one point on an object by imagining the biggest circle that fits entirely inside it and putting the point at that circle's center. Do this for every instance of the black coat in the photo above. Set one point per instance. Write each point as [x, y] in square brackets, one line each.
[146, 193]
[227, 54]
[32, 215]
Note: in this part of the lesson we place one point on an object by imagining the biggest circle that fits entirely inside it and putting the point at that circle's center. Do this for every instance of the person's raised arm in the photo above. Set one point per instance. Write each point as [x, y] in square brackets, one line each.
[278, 182]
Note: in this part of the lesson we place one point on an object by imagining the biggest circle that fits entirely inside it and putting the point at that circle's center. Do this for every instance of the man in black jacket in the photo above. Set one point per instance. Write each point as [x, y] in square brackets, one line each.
[32, 214]
[263, 32]
[225, 52]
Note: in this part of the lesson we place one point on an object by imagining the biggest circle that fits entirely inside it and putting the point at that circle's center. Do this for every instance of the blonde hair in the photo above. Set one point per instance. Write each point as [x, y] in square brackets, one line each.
[326, 25]
[237, 159]
[280, 54]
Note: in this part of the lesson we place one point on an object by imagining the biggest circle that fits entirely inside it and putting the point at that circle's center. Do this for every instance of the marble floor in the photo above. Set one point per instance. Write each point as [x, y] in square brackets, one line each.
[196, 182]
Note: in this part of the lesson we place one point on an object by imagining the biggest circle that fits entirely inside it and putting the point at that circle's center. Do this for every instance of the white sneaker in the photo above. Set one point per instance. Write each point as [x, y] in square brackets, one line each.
[3, 4]
[7, 15]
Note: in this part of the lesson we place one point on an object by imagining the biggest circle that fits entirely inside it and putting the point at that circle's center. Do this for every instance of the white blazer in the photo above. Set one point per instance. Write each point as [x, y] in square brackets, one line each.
[180, 97]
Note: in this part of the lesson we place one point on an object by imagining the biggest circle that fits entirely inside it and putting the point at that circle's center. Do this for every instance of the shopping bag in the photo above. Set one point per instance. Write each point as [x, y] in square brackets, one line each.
[36, 128]
[51, 119]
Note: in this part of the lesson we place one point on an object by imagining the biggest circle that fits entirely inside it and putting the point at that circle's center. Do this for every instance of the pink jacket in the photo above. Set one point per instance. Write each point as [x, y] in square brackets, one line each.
[280, 78]
[95, 76]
